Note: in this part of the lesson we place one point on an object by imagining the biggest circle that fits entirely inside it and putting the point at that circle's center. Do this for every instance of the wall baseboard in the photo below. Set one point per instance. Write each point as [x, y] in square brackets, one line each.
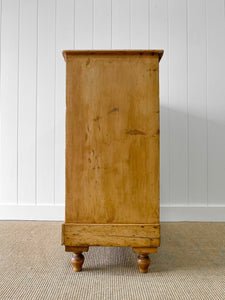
[192, 213]
[167, 213]
[32, 212]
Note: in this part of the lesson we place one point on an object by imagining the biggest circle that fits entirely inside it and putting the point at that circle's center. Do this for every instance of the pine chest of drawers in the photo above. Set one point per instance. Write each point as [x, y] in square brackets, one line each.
[112, 152]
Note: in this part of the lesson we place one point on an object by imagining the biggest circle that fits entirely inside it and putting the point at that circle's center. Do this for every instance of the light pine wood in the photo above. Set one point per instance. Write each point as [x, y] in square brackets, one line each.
[76, 249]
[112, 138]
[112, 150]
[158, 53]
[144, 250]
[129, 235]
[111, 235]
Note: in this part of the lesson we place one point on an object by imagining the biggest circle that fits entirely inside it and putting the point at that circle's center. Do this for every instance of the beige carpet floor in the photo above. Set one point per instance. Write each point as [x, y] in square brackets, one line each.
[190, 264]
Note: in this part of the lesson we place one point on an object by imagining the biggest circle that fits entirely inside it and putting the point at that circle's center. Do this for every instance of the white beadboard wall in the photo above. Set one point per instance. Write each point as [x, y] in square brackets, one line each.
[33, 34]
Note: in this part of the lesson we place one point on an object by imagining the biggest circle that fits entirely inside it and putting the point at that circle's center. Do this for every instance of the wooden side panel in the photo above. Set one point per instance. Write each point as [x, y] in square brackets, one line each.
[112, 139]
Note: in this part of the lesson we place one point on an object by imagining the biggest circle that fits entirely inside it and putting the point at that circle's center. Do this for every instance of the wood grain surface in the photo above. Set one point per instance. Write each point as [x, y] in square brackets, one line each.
[117, 235]
[112, 137]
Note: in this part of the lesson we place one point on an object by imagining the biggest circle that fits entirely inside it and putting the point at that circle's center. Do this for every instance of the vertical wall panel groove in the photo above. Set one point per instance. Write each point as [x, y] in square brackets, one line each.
[74, 24]
[36, 95]
[9, 100]
[130, 20]
[169, 146]
[148, 11]
[18, 88]
[27, 101]
[83, 24]
[187, 40]
[206, 103]
[1, 178]
[120, 24]
[215, 101]
[64, 40]
[54, 143]
[45, 102]
[102, 24]
[197, 125]
[178, 101]
[93, 22]
[139, 24]
[111, 23]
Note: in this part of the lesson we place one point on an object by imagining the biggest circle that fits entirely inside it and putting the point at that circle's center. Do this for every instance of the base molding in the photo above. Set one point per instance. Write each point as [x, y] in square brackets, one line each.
[115, 235]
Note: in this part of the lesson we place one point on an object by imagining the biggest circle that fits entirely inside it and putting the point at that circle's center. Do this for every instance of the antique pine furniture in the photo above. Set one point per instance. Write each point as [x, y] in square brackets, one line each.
[112, 152]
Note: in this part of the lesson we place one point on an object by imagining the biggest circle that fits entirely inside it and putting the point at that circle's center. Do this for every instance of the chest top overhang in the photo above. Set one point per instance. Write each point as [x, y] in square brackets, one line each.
[67, 53]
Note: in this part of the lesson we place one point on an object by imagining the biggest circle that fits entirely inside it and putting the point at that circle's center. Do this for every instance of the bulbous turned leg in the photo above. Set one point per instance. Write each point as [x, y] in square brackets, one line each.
[77, 261]
[143, 262]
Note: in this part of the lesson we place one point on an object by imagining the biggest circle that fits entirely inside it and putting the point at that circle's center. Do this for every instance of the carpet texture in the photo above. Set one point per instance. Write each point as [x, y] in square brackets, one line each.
[190, 264]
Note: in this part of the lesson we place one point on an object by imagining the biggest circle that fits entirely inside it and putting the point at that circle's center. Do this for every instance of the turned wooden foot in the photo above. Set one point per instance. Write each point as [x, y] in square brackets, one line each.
[77, 261]
[143, 262]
